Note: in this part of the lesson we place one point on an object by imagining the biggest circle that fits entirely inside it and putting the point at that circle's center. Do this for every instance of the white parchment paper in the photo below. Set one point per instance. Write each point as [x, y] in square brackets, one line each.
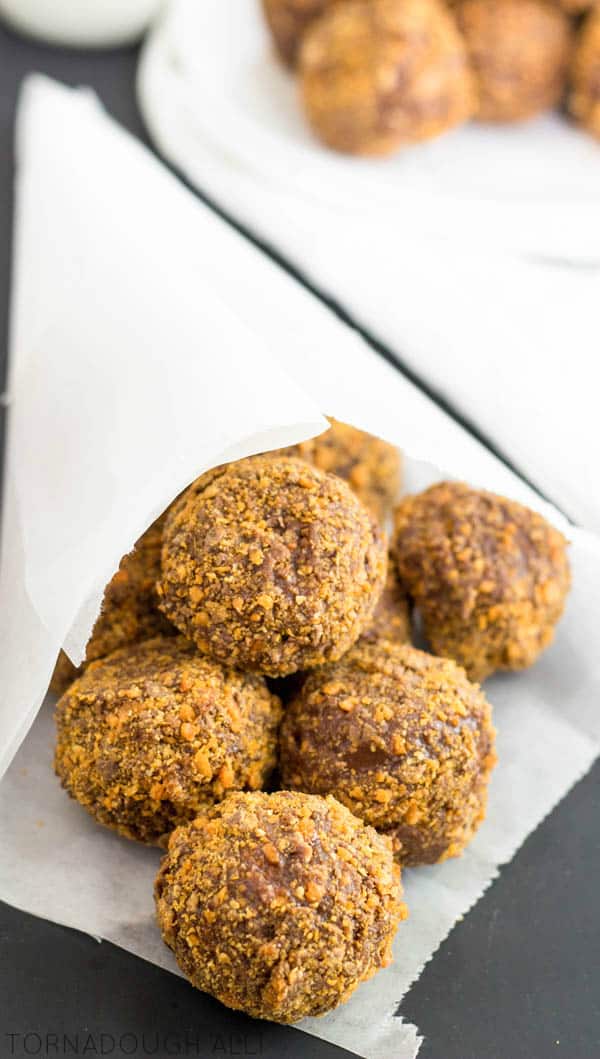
[126, 380]
[532, 186]
[104, 344]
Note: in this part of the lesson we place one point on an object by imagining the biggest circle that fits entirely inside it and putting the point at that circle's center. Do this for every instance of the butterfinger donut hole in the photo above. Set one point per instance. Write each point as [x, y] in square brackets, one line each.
[279, 905]
[519, 51]
[376, 75]
[488, 575]
[401, 738]
[271, 565]
[155, 733]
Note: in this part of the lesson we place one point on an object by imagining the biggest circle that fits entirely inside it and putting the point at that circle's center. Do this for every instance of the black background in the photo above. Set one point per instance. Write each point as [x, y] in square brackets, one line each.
[519, 978]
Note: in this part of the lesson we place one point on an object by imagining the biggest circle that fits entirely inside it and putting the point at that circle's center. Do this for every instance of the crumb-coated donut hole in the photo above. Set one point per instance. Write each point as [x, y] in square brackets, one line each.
[271, 565]
[401, 738]
[372, 467]
[279, 905]
[519, 51]
[584, 99]
[488, 575]
[376, 75]
[155, 733]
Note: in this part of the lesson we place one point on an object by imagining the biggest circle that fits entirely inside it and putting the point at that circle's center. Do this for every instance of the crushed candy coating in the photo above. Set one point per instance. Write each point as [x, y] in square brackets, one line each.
[488, 575]
[377, 75]
[155, 733]
[401, 738]
[129, 611]
[584, 98]
[279, 904]
[372, 467]
[271, 565]
[519, 51]
[391, 621]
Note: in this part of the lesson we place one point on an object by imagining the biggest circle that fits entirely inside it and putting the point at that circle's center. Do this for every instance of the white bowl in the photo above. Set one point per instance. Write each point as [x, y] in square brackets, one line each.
[81, 23]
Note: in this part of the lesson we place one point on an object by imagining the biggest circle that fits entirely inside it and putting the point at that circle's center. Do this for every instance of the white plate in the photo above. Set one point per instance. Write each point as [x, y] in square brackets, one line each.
[534, 187]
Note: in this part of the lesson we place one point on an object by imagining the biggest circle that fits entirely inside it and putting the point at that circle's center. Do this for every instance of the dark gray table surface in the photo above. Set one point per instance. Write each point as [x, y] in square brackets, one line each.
[519, 978]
